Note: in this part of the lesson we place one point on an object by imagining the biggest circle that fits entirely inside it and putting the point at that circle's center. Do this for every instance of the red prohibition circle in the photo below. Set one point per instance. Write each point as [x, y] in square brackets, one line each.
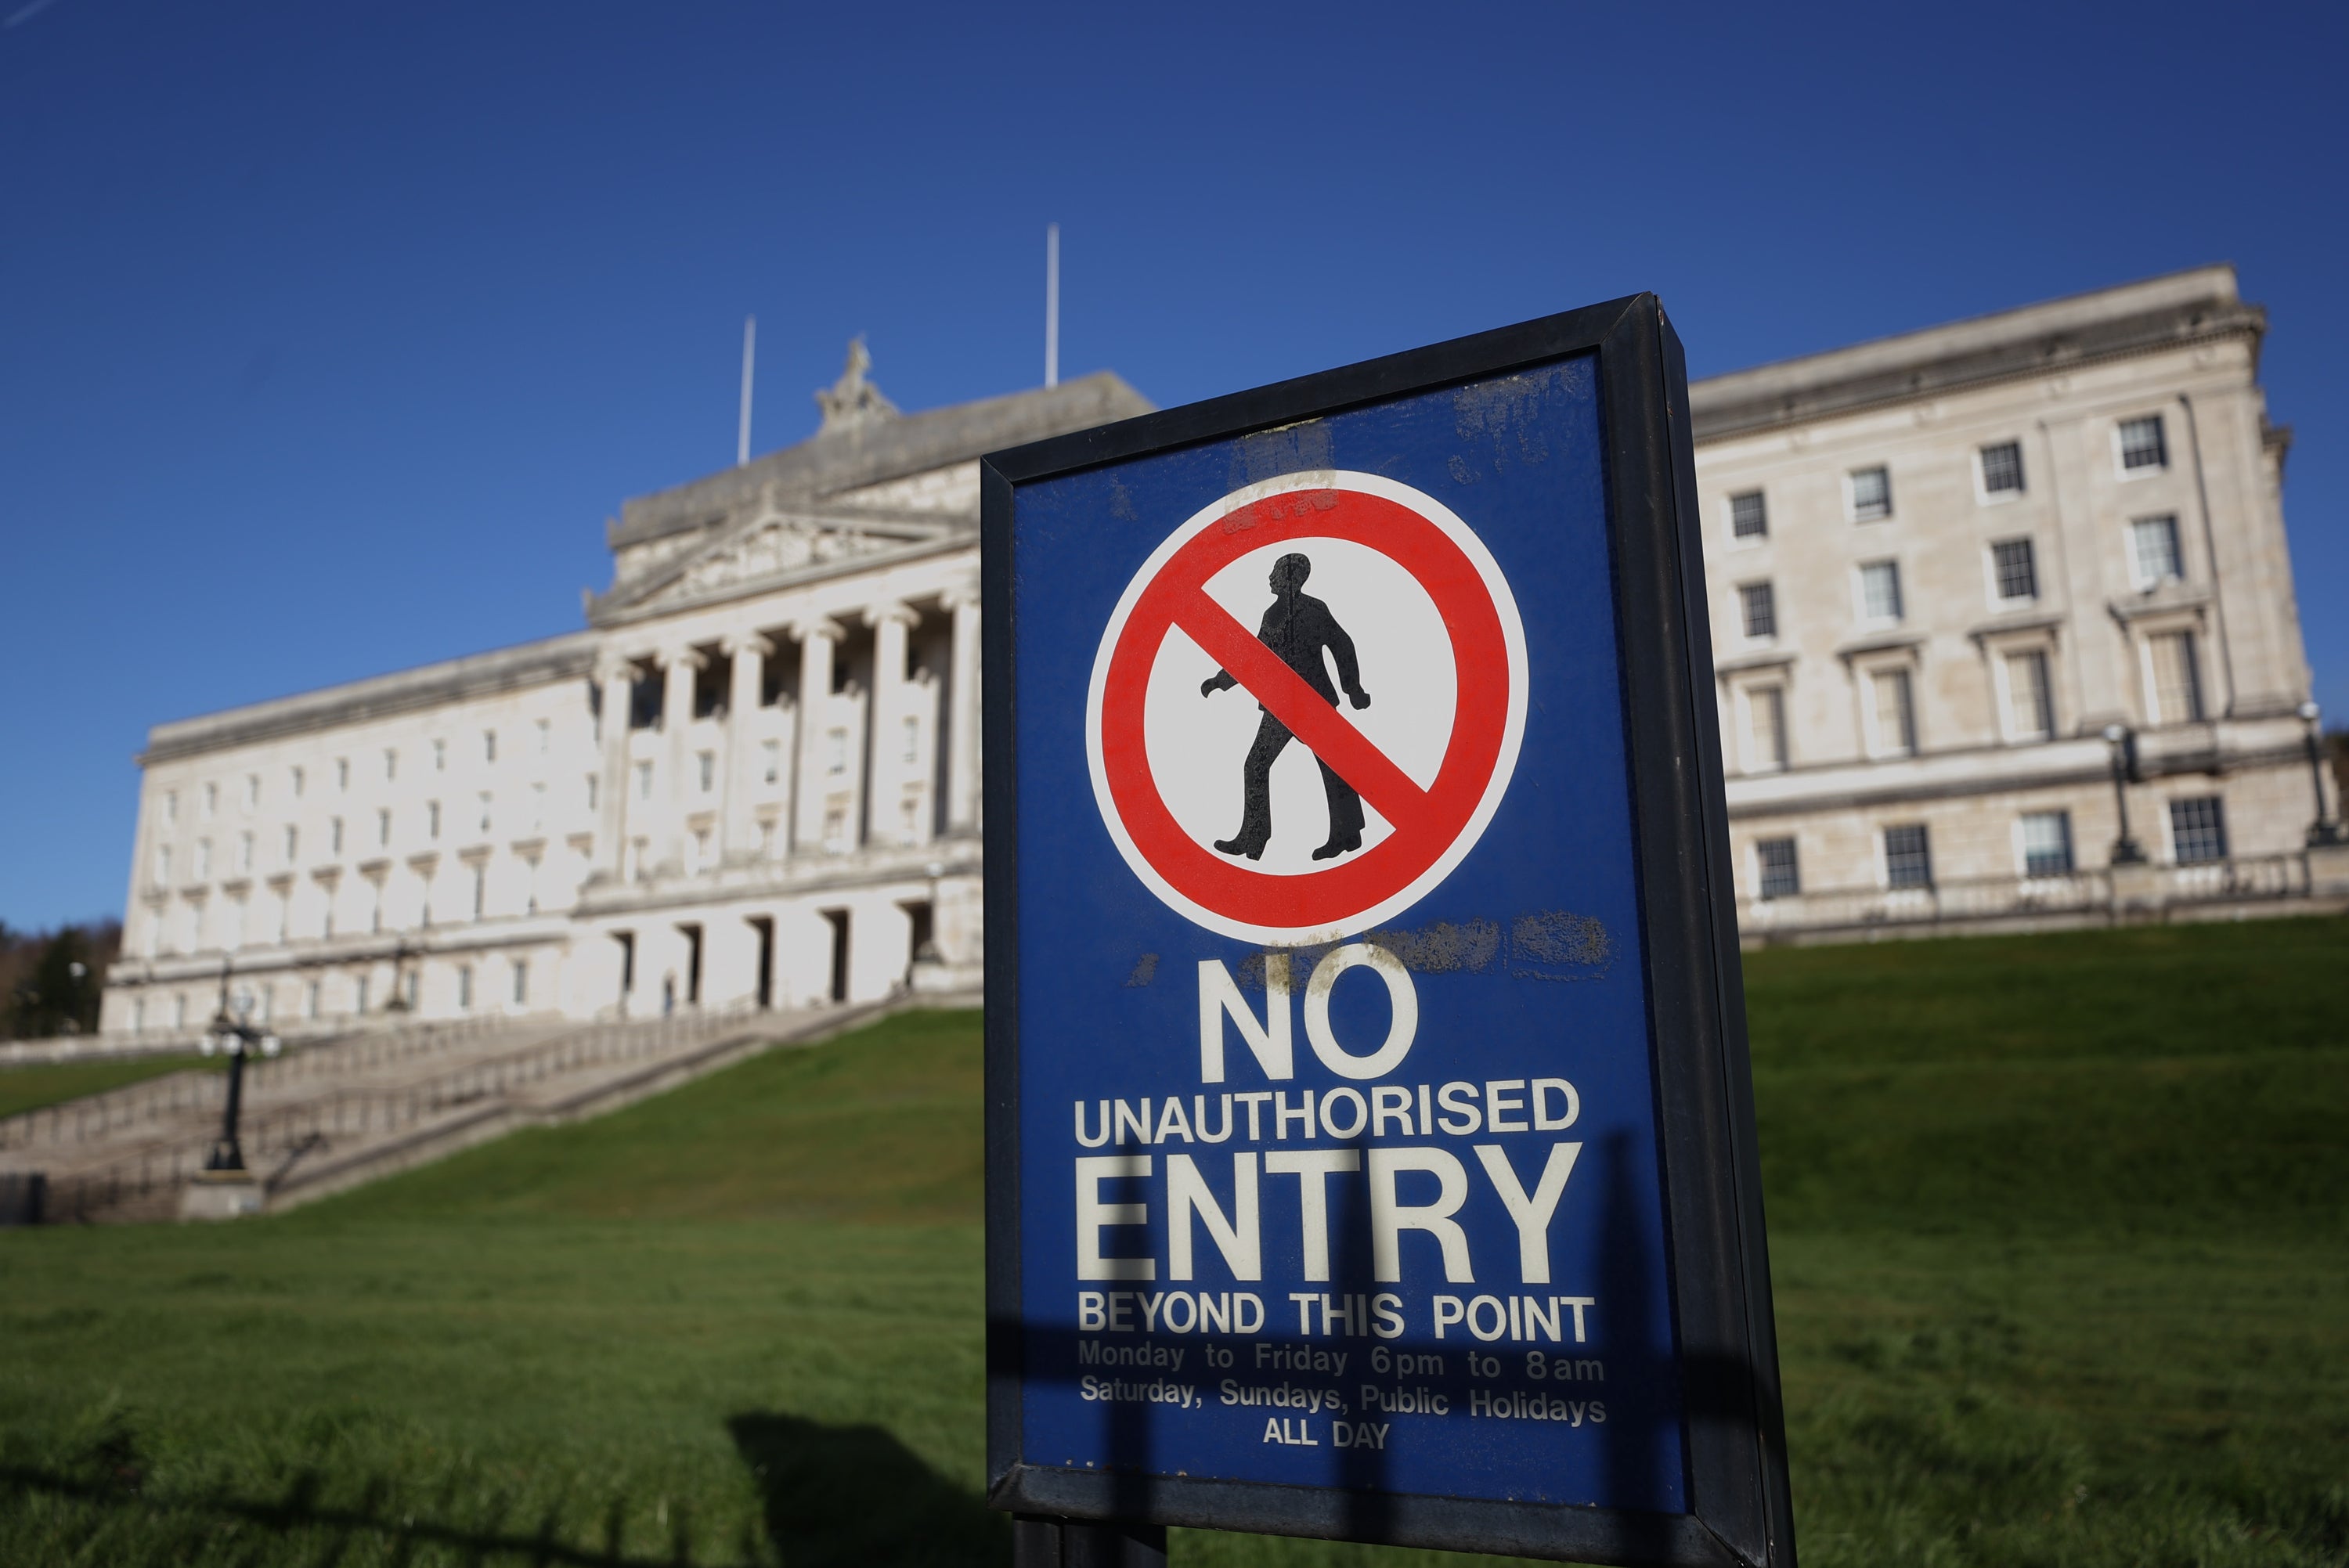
[1425, 823]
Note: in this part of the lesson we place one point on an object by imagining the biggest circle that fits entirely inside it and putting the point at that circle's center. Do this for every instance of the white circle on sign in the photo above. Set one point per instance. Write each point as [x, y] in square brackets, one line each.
[1442, 758]
[1404, 661]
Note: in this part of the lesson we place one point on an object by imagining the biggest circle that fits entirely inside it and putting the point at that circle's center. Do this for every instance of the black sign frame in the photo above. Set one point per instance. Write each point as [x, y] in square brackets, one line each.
[1740, 1507]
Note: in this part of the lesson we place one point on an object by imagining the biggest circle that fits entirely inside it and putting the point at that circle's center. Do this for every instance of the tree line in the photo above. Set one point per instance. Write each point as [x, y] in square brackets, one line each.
[50, 981]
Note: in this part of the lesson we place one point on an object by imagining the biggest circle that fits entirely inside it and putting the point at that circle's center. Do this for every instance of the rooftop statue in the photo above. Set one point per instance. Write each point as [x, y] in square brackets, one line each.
[852, 401]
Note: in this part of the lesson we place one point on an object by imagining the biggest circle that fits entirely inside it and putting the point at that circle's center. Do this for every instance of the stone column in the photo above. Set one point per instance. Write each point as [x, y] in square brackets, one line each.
[962, 717]
[819, 639]
[615, 678]
[884, 779]
[750, 652]
[678, 665]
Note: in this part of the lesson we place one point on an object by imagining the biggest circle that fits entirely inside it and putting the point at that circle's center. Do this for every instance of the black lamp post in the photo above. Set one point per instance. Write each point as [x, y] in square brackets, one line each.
[233, 1032]
[2126, 850]
[2327, 828]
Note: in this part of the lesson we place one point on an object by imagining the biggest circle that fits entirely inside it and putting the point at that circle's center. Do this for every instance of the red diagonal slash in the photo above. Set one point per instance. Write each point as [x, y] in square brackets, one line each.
[1288, 698]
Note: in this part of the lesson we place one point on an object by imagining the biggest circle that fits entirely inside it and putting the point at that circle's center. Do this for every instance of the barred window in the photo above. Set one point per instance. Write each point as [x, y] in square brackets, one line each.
[1760, 609]
[1781, 875]
[2016, 570]
[2153, 550]
[1907, 856]
[2030, 696]
[1871, 494]
[1749, 517]
[2142, 444]
[1879, 590]
[2002, 469]
[1896, 716]
[2198, 829]
[2177, 679]
[2047, 843]
[1765, 719]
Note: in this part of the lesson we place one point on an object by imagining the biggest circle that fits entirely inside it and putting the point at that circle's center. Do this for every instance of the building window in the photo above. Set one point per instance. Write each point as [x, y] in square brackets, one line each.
[836, 751]
[2153, 556]
[1907, 856]
[310, 1000]
[2198, 829]
[2176, 678]
[521, 982]
[770, 761]
[530, 885]
[644, 781]
[1871, 494]
[2014, 570]
[391, 764]
[203, 859]
[383, 829]
[252, 791]
[2030, 696]
[162, 865]
[296, 778]
[440, 757]
[244, 851]
[912, 727]
[591, 791]
[2143, 447]
[335, 835]
[485, 816]
[1895, 716]
[292, 844]
[707, 763]
[171, 805]
[2047, 843]
[537, 806]
[1759, 607]
[342, 772]
[464, 987]
[1880, 591]
[1749, 517]
[211, 800]
[1781, 875]
[481, 888]
[488, 746]
[545, 735]
[432, 820]
[1765, 728]
[359, 994]
[2002, 469]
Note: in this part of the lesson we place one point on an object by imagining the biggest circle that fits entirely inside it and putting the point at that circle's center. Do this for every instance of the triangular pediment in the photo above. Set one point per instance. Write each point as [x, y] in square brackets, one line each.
[768, 550]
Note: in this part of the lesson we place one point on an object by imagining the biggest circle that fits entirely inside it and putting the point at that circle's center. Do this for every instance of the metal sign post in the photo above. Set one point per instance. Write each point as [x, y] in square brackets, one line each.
[1369, 1139]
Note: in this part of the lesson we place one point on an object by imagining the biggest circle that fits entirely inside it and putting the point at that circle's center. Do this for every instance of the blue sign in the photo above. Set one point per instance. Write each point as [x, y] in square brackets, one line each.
[1334, 1115]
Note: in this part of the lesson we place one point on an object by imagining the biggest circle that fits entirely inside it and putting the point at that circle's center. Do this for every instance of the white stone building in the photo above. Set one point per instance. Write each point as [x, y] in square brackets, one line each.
[1940, 567]
[1945, 567]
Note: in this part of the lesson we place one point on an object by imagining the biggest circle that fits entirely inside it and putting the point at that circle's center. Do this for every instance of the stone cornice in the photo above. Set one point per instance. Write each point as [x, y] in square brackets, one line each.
[566, 657]
[2177, 310]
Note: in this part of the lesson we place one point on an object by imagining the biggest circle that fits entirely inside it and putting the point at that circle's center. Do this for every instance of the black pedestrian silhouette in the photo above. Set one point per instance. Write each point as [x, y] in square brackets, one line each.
[1297, 627]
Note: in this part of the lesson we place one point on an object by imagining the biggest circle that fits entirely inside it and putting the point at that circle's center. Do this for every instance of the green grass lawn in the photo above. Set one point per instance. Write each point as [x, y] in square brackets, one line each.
[29, 1087]
[2058, 1226]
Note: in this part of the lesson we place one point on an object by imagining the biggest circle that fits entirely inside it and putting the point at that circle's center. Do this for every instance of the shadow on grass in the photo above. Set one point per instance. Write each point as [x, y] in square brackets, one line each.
[850, 1497]
[144, 1530]
[830, 1497]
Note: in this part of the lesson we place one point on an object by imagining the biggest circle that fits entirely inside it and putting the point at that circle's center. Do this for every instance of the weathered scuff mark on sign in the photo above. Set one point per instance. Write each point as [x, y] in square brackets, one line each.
[1557, 945]
[1146, 968]
[1547, 945]
[1502, 417]
[1268, 454]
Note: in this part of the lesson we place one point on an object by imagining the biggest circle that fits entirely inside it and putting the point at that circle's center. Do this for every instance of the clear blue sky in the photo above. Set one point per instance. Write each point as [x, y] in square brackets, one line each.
[330, 334]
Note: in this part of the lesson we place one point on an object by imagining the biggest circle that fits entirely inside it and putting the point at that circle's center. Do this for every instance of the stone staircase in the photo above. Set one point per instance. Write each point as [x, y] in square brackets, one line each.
[346, 1111]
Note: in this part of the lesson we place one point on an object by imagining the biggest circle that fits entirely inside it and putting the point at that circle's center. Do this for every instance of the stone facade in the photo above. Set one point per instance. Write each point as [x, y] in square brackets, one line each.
[1945, 567]
[1940, 567]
